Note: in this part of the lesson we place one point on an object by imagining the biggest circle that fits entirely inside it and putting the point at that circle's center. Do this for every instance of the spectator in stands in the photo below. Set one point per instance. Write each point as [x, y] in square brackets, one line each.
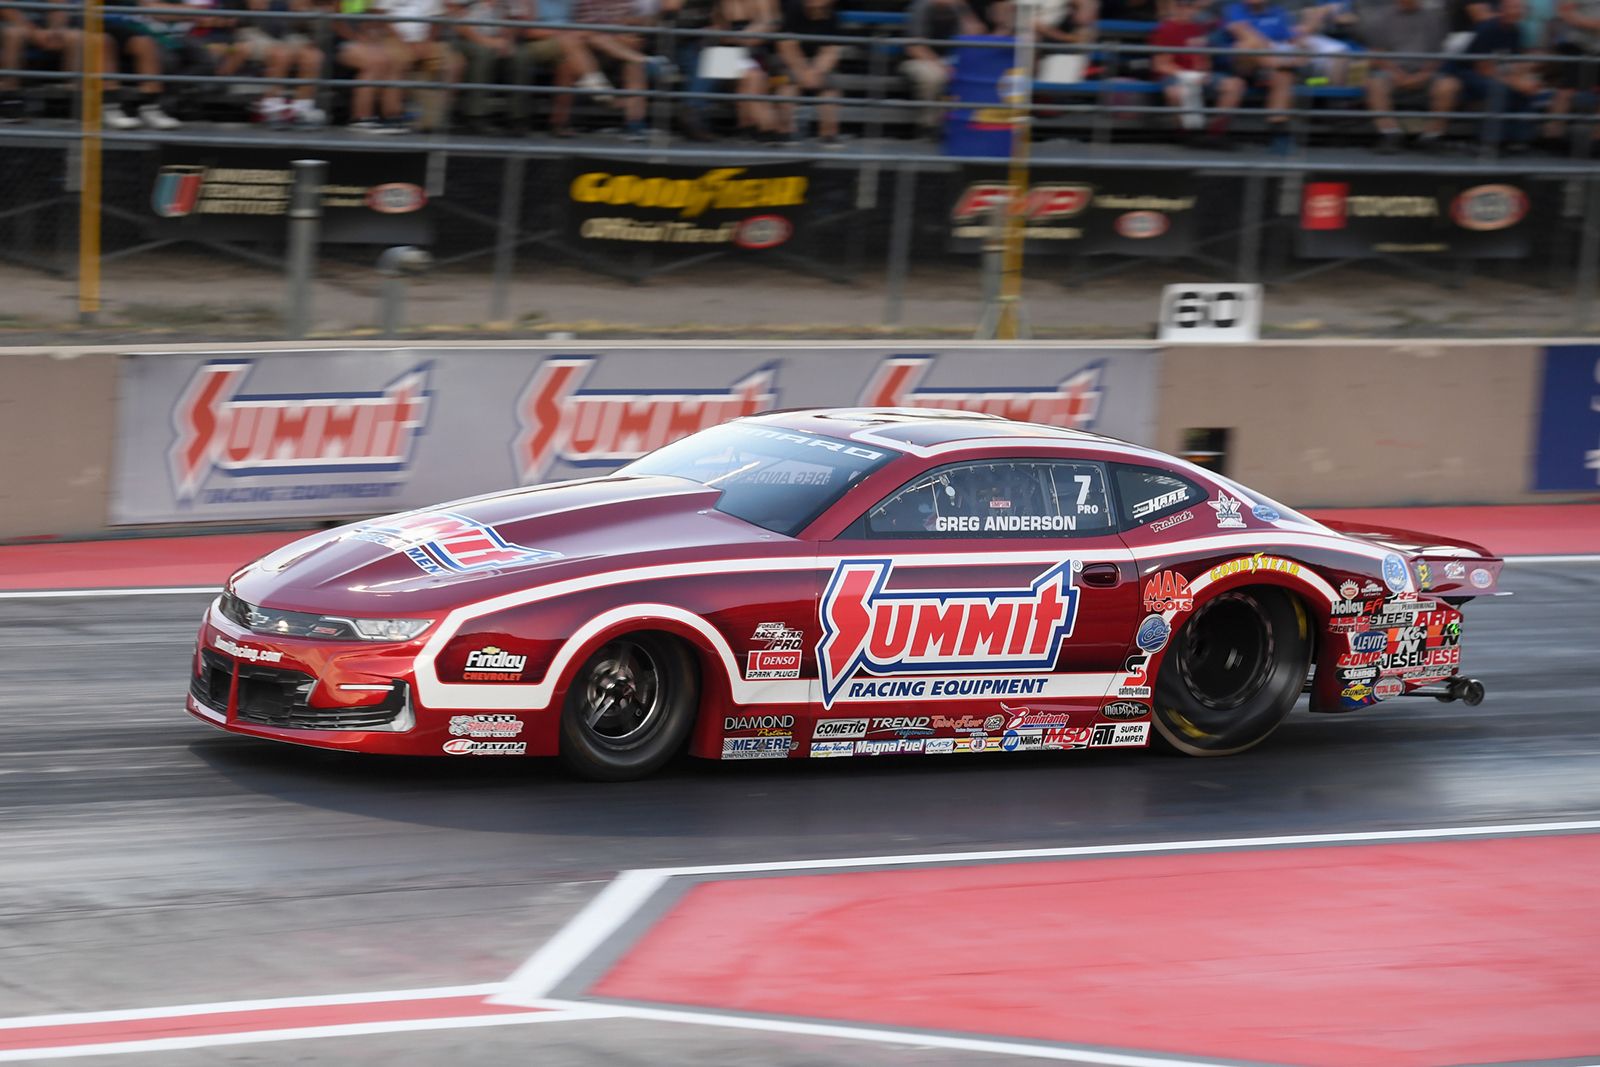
[755, 118]
[1500, 84]
[364, 51]
[423, 53]
[1407, 84]
[1187, 78]
[568, 56]
[282, 48]
[1572, 30]
[1067, 21]
[145, 41]
[1263, 25]
[927, 67]
[809, 66]
[622, 52]
[686, 59]
[54, 40]
[489, 55]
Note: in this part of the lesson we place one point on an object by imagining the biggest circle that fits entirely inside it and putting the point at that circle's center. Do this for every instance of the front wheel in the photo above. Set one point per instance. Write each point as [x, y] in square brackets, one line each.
[1234, 671]
[629, 709]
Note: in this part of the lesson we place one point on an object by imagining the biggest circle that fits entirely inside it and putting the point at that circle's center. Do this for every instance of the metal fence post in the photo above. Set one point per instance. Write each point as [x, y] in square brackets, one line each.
[905, 197]
[505, 242]
[1250, 229]
[305, 219]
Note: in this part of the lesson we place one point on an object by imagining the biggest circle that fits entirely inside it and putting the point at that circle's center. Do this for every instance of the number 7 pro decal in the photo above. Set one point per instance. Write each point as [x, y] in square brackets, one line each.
[868, 627]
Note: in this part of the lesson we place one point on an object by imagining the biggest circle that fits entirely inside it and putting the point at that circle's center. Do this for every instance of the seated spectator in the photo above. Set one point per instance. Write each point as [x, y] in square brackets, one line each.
[1263, 25]
[1499, 84]
[755, 118]
[927, 67]
[809, 66]
[1067, 21]
[51, 40]
[1407, 84]
[282, 48]
[1187, 78]
[145, 41]
[364, 52]
[622, 53]
[564, 52]
[489, 55]
[686, 52]
[1573, 29]
[423, 53]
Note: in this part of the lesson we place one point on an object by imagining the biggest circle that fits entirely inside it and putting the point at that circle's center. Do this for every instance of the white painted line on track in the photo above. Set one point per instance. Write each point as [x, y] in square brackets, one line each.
[60, 594]
[574, 943]
[169, 1044]
[181, 1010]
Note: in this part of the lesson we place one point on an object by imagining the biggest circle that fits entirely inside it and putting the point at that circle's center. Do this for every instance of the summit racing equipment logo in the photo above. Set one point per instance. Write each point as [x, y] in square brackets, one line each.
[867, 627]
[560, 420]
[441, 542]
[219, 428]
[1074, 403]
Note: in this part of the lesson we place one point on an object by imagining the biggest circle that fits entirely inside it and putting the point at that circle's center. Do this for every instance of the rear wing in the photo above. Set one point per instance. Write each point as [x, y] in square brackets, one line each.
[1443, 566]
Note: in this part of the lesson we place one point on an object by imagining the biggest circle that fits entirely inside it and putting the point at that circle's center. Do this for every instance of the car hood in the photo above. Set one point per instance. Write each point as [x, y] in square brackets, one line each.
[433, 559]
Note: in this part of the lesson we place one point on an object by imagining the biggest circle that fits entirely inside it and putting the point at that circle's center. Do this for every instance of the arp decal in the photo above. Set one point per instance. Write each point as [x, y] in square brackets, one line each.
[440, 542]
[868, 627]
[1073, 403]
[220, 429]
[560, 420]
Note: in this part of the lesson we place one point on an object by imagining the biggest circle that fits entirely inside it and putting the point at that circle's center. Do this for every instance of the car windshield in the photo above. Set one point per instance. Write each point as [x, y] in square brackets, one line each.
[777, 479]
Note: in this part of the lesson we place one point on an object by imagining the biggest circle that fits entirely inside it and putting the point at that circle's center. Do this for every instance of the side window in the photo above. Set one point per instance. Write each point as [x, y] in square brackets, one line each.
[1149, 494]
[1009, 498]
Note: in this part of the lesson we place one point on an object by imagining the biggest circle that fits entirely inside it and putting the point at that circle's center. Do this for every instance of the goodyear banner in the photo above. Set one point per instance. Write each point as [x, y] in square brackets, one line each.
[242, 194]
[1364, 215]
[622, 205]
[1125, 213]
[1567, 456]
[278, 434]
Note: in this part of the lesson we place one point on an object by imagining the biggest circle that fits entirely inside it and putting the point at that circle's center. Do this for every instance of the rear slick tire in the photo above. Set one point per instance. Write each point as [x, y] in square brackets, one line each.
[630, 708]
[1234, 671]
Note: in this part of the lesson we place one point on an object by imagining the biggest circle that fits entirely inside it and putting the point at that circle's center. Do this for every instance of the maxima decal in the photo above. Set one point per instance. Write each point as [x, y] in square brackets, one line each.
[869, 627]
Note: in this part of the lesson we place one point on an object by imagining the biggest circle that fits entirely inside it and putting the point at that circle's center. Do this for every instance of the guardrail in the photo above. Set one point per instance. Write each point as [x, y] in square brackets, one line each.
[127, 436]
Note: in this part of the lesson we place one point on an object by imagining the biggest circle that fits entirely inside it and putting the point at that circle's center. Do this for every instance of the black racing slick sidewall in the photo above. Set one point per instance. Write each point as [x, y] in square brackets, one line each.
[588, 759]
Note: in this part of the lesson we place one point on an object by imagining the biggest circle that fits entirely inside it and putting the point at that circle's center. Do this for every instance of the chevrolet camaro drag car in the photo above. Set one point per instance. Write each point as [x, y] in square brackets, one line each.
[836, 583]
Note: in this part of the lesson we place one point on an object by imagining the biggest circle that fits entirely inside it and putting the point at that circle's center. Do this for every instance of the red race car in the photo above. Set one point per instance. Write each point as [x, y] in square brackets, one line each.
[836, 583]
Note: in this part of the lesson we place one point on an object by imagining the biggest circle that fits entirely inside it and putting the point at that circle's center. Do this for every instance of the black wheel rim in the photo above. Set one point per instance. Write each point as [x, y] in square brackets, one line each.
[622, 698]
[1225, 656]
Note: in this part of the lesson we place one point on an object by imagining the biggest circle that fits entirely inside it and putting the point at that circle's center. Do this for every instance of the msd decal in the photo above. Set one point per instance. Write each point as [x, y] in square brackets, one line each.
[1073, 404]
[441, 542]
[606, 427]
[868, 627]
[221, 429]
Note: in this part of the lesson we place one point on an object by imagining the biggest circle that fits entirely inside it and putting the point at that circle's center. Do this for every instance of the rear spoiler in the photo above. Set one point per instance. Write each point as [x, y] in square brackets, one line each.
[1443, 566]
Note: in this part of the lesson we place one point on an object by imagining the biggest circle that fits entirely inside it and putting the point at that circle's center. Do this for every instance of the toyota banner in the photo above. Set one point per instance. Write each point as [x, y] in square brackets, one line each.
[278, 434]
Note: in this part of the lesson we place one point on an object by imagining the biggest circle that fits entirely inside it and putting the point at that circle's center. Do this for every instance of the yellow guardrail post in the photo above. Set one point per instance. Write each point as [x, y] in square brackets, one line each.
[90, 105]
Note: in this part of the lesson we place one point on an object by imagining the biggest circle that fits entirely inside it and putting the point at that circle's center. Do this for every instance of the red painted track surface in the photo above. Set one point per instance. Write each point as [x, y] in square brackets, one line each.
[257, 1020]
[1392, 955]
[209, 559]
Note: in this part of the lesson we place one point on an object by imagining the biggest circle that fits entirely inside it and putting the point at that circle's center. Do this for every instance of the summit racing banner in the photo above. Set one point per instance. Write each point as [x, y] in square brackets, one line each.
[224, 193]
[331, 432]
[1567, 453]
[622, 204]
[1413, 214]
[1128, 213]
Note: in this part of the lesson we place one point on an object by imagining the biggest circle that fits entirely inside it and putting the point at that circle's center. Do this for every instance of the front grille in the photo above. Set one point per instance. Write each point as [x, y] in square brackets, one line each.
[210, 687]
[276, 696]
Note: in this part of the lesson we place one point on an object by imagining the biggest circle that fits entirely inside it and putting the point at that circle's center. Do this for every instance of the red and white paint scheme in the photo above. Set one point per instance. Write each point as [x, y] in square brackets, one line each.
[831, 583]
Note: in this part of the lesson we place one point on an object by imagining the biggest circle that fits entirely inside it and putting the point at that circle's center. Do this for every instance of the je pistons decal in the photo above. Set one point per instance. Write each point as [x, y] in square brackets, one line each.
[869, 627]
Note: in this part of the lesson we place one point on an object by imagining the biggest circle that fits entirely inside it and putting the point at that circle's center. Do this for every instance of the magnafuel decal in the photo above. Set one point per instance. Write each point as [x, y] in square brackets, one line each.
[866, 626]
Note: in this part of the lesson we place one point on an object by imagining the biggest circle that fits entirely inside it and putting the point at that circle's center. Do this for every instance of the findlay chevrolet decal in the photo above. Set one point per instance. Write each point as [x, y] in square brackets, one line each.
[868, 627]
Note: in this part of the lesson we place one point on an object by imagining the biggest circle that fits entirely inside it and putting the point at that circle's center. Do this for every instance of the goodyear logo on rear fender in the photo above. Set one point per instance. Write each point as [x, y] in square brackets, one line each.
[561, 420]
[222, 429]
[868, 627]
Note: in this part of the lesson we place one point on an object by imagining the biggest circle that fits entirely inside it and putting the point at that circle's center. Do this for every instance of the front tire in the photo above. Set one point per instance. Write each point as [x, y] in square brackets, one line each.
[630, 708]
[1234, 671]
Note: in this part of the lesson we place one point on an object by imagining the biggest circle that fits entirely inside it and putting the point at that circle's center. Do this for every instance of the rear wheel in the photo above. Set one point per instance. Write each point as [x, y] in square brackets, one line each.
[630, 708]
[1234, 671]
